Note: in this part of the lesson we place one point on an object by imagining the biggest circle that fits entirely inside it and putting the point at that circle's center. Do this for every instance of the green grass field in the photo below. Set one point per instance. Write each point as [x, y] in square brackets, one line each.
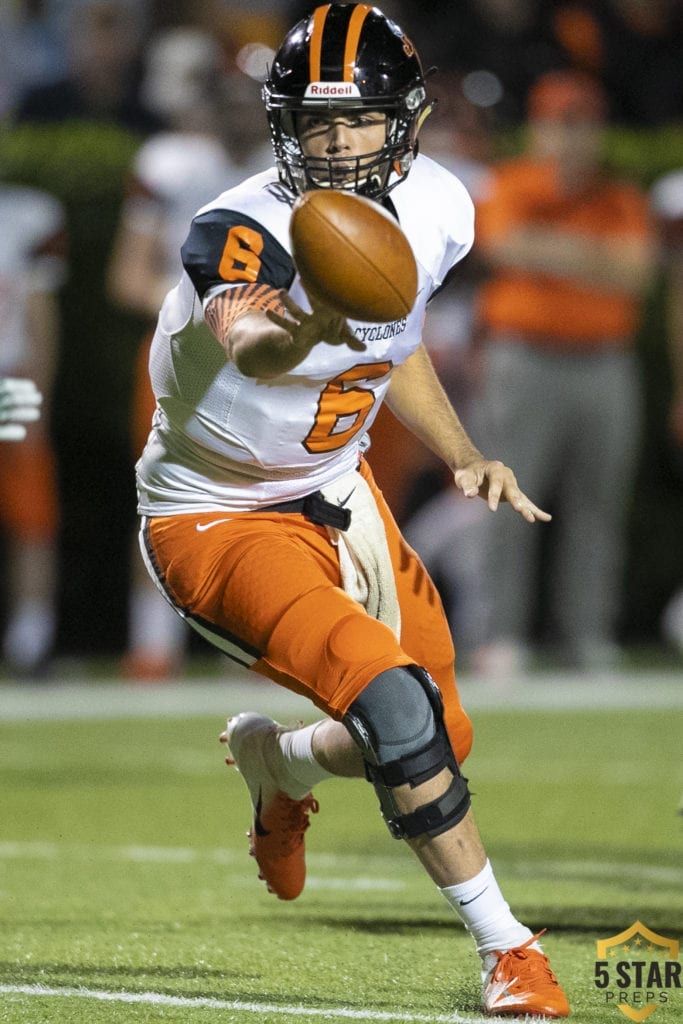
[126, 892]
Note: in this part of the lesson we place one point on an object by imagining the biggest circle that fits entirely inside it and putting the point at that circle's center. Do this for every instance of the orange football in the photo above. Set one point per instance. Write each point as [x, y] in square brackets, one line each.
[353, 255]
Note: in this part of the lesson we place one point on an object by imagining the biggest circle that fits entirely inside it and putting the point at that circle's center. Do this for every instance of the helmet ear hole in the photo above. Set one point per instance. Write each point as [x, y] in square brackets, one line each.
[312, 70]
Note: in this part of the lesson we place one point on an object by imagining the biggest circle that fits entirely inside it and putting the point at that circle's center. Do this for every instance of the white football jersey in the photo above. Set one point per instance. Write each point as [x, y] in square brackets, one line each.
[31, 260]
[222, 441]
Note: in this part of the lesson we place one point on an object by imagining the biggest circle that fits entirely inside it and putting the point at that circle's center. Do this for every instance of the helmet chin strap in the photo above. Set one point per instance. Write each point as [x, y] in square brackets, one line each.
[366, 174]
[376, 179]
[370, 184]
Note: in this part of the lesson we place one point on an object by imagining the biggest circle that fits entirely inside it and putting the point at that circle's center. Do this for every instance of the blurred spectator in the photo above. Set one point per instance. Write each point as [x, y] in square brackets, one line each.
[442, 528]
[32, 266]
[76, 137]
[217, 137]
[103, 40]
[241, 23]
[571, 254]
[634, 48]
[31, 53]
[461, 136]
[498, 46]
[667, 201]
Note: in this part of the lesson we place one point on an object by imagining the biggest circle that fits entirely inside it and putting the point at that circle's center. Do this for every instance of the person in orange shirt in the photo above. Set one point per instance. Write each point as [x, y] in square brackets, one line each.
[570, 252]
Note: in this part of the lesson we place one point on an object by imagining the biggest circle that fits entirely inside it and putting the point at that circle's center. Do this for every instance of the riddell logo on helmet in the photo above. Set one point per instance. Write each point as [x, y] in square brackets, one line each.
[321, 90]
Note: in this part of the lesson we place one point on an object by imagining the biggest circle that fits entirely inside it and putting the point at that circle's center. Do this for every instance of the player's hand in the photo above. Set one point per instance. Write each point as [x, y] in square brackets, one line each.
[495, 482]
[308, 329]
[20, 402]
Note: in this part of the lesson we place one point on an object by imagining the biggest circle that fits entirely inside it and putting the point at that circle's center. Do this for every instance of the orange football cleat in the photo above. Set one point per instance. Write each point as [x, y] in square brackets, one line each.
[520, 981]
[276, 838]
[277, 843]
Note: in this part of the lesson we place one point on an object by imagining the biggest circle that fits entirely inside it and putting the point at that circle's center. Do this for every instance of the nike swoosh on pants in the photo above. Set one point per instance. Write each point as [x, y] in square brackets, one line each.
[200, 527]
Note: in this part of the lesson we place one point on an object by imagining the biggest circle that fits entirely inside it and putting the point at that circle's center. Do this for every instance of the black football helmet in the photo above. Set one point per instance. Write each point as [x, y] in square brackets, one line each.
[347, 58]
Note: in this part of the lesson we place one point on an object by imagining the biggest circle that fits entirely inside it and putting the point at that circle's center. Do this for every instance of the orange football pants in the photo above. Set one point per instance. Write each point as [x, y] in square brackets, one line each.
[29, 505]
[267, 585]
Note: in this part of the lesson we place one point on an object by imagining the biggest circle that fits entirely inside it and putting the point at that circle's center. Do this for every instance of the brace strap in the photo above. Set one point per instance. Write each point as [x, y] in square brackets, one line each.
[436, 817]
[415, 768]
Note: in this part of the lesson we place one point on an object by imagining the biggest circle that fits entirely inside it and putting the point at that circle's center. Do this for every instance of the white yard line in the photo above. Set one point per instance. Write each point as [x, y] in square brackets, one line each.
[65, 701]
[338, 863]
[201, 1002]
[352, 882]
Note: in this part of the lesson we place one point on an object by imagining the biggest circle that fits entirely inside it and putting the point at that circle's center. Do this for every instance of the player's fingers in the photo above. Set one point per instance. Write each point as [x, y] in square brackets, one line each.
[291, 306]
[344, 339]
[20, 389]
[499, 480]
[468, 482]
[281, 321]
[350, 339]
[12, 432]
[339, 333]
[11, 406]
[540, 515]
[25, 414]
[527, 509]
[494, 493]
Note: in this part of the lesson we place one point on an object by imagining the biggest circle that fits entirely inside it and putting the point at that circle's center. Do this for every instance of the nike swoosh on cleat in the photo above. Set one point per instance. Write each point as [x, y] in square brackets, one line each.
[258, 825]
[200, 527]
[464, 903]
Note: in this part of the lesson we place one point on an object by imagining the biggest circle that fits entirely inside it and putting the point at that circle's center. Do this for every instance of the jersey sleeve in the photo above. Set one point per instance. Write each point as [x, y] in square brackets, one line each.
[458, 232]
[225, 247]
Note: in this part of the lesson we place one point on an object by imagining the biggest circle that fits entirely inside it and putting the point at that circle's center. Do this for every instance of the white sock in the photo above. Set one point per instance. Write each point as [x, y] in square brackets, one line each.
[485, 913]
[302, 770]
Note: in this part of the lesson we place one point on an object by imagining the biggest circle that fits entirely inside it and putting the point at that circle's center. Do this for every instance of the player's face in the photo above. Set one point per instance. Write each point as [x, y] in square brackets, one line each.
[336, 144]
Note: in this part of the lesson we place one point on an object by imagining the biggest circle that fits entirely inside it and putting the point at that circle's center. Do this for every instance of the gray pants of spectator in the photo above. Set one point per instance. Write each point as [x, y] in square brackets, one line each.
[568, 423]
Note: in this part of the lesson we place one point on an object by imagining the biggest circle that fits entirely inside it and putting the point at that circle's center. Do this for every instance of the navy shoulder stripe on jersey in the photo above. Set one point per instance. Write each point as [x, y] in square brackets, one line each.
[225, 245]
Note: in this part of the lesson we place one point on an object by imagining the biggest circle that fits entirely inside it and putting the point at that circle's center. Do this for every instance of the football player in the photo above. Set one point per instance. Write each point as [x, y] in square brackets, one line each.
[261, 521]
[33, 266]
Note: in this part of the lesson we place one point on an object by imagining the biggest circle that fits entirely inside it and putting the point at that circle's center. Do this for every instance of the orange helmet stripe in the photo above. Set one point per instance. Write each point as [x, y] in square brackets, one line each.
[358, 17]
[316, 43]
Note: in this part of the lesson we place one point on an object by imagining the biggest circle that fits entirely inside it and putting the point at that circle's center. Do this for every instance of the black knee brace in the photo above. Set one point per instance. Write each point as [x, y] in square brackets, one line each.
[397, 721]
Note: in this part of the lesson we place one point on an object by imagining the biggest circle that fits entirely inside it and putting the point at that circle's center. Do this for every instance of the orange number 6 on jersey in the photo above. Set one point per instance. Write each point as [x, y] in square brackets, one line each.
[339, 401]
[240, 257]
